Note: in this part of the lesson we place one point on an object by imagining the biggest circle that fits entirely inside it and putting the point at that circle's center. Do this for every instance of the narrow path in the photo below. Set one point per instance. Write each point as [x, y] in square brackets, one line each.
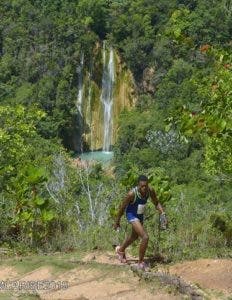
[100, 276]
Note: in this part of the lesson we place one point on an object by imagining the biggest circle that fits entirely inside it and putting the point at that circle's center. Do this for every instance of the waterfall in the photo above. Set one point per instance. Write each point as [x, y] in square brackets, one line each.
[80, 85]
[79, 103]
[107, 97]
[89, 109]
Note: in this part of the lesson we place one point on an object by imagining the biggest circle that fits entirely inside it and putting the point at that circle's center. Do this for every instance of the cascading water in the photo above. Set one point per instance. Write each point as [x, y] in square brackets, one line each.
[89, 111]
[79, 102]
[98, 103]
[80, 85]
[108, 79]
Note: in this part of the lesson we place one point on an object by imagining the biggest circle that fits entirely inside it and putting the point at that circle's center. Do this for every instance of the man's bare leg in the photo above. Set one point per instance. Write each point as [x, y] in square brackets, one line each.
[129, 240]
[140, 231]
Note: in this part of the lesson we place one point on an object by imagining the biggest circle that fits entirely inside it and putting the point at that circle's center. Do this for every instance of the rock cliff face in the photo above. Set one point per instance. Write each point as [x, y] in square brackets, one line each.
[105, 88]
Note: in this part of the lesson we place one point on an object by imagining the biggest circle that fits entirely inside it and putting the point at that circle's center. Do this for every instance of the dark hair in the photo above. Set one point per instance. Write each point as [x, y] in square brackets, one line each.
[142, 178]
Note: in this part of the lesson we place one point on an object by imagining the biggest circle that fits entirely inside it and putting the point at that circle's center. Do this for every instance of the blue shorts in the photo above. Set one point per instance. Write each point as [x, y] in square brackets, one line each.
[134, 217]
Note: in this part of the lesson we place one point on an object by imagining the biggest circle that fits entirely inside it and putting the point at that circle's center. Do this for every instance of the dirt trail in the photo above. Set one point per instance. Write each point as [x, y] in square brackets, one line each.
[7, 273]
[97, 276]
[100, 276]
[215, 274]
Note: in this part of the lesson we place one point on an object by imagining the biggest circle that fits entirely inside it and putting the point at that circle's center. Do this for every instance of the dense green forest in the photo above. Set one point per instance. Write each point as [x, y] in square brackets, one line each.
[178, 133]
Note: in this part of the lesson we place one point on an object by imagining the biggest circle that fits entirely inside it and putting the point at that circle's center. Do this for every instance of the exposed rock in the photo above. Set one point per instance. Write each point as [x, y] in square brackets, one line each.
[148, 85]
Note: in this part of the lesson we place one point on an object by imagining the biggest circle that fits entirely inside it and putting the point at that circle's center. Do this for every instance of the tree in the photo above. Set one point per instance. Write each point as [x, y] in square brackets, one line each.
[212, 122]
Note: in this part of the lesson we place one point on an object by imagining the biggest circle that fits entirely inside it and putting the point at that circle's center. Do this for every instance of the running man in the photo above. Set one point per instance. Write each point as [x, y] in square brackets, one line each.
[134, 204]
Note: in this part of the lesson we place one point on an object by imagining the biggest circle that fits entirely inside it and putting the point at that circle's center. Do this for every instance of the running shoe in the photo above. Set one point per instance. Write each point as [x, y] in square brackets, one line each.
[120, 255]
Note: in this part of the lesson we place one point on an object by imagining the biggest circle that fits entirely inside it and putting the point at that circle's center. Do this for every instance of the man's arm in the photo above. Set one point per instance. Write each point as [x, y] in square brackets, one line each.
[126, 201]
[156, 201]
